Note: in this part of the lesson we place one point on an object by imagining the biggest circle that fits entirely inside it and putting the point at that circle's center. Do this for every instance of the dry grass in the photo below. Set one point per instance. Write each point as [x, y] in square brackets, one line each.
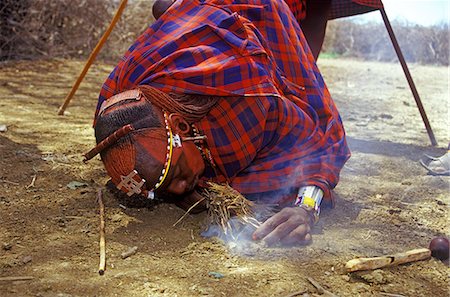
[229, 210]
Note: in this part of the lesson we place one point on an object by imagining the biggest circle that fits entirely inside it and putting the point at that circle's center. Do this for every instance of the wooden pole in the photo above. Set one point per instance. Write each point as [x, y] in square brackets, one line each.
[92, 57]
[412, 86]
[102, 264]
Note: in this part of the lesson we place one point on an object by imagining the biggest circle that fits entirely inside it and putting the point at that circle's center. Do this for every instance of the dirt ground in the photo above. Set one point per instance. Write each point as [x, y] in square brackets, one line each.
[387, 204]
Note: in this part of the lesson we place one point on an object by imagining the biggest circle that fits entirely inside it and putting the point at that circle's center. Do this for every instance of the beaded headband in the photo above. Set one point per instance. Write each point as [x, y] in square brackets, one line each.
[133, 183]
[172, 141]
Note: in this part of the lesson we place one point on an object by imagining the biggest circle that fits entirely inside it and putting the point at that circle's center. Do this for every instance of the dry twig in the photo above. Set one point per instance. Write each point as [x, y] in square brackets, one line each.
[187, 211]
[9, 182]
[321, 290]
[15, 278]
[31, 185]
[102, 265]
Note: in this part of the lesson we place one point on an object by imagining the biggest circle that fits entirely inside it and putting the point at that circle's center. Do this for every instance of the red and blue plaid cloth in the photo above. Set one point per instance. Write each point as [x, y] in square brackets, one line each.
[345, 8]
[278, 128]
[339, 8]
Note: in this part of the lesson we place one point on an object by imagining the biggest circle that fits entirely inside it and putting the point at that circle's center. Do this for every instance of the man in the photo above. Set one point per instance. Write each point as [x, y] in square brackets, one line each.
[313, 16]
[227, 92]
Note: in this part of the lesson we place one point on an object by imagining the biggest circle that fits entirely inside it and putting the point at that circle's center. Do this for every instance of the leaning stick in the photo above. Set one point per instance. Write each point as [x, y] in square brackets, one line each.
[92, 57]
[386, 261]
[102, 265]
[408, 76]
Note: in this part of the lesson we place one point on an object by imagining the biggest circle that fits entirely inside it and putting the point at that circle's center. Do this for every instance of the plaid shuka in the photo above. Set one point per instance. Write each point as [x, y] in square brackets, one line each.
[345, 8]
[277, 127]
[339, 8]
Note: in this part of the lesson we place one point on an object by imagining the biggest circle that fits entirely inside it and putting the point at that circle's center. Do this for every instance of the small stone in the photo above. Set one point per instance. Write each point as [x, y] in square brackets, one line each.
[215, 274]
[7, 246]
[3, 128]
[27, 259]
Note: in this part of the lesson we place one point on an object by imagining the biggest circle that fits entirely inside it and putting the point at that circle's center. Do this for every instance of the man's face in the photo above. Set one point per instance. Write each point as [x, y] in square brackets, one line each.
[184, 172]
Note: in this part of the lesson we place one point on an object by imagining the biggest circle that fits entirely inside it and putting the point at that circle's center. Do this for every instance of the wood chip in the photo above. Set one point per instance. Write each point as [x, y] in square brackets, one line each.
[131, 251]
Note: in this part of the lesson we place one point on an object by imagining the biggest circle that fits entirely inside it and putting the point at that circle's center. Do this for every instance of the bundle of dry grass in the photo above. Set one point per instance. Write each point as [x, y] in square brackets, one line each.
[229, 210]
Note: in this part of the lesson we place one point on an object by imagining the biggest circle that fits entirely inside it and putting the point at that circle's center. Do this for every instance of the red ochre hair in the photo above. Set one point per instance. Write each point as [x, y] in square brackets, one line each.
[121, 150]
[120, 160]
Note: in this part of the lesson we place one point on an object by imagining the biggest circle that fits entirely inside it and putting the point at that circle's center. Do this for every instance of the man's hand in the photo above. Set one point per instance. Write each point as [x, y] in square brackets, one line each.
[290, 226]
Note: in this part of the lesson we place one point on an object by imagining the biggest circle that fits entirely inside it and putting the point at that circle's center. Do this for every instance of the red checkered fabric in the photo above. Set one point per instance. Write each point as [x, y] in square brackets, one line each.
[345, 8]
[277, 127]
[298, 8]
[339, 8]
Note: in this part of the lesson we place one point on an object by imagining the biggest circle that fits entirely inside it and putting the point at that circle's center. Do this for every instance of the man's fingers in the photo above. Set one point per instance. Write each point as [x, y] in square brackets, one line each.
[281, 231]
[269, 225]
[299, 236]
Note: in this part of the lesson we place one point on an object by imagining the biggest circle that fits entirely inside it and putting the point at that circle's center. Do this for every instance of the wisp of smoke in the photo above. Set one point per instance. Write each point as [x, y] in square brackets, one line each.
[231, 217]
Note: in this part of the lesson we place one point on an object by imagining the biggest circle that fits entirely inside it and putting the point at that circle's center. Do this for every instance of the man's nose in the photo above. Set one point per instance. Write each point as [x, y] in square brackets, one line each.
[178, 187]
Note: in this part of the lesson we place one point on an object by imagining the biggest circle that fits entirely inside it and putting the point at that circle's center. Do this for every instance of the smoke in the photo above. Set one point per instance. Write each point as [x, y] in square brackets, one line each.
[237, 236]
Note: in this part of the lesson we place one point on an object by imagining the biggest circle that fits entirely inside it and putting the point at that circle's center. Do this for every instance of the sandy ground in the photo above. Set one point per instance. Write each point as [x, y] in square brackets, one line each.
[387, 203]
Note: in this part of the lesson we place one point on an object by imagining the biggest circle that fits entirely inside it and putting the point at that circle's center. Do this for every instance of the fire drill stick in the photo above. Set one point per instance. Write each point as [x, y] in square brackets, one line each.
[386, 261]
[102, 265]
[92, 57]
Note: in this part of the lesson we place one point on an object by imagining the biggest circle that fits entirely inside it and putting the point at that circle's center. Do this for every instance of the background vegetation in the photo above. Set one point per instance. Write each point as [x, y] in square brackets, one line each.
[37, 29]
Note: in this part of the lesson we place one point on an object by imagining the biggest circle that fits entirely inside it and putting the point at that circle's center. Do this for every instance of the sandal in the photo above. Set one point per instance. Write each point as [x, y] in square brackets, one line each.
[437, 165]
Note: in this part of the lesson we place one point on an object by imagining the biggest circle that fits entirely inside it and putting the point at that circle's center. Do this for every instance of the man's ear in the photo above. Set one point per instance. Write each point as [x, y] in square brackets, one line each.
[179, 124]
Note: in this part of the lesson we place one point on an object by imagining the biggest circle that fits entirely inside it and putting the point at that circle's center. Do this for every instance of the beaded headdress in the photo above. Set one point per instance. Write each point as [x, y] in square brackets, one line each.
[133, 183]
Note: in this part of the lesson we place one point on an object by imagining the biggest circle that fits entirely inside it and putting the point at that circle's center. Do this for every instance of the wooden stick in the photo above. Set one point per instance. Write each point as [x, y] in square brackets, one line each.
[9, 182]
[31, 185]
[102, 265]
[321, 290]
[408, 76]
[92, 57]
[15, 278]
[386, 261]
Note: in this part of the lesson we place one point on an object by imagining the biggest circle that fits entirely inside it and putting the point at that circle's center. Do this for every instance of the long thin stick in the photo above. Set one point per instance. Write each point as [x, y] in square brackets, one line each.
[9, 182]
[92, 57]
[102, 265]
[412, 86]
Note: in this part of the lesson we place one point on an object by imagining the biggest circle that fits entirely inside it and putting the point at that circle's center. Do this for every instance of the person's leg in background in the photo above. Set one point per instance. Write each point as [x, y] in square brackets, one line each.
[315, 23]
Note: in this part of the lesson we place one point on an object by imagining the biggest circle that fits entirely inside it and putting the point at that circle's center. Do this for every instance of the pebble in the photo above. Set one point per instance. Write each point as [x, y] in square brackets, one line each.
[27, 259]
[215, 274]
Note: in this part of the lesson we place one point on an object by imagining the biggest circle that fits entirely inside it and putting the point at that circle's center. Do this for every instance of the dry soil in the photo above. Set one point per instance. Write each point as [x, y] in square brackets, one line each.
[388, 203]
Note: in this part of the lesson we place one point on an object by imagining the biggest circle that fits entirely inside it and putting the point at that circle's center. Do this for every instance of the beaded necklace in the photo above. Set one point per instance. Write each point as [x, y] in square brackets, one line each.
[203, 149]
